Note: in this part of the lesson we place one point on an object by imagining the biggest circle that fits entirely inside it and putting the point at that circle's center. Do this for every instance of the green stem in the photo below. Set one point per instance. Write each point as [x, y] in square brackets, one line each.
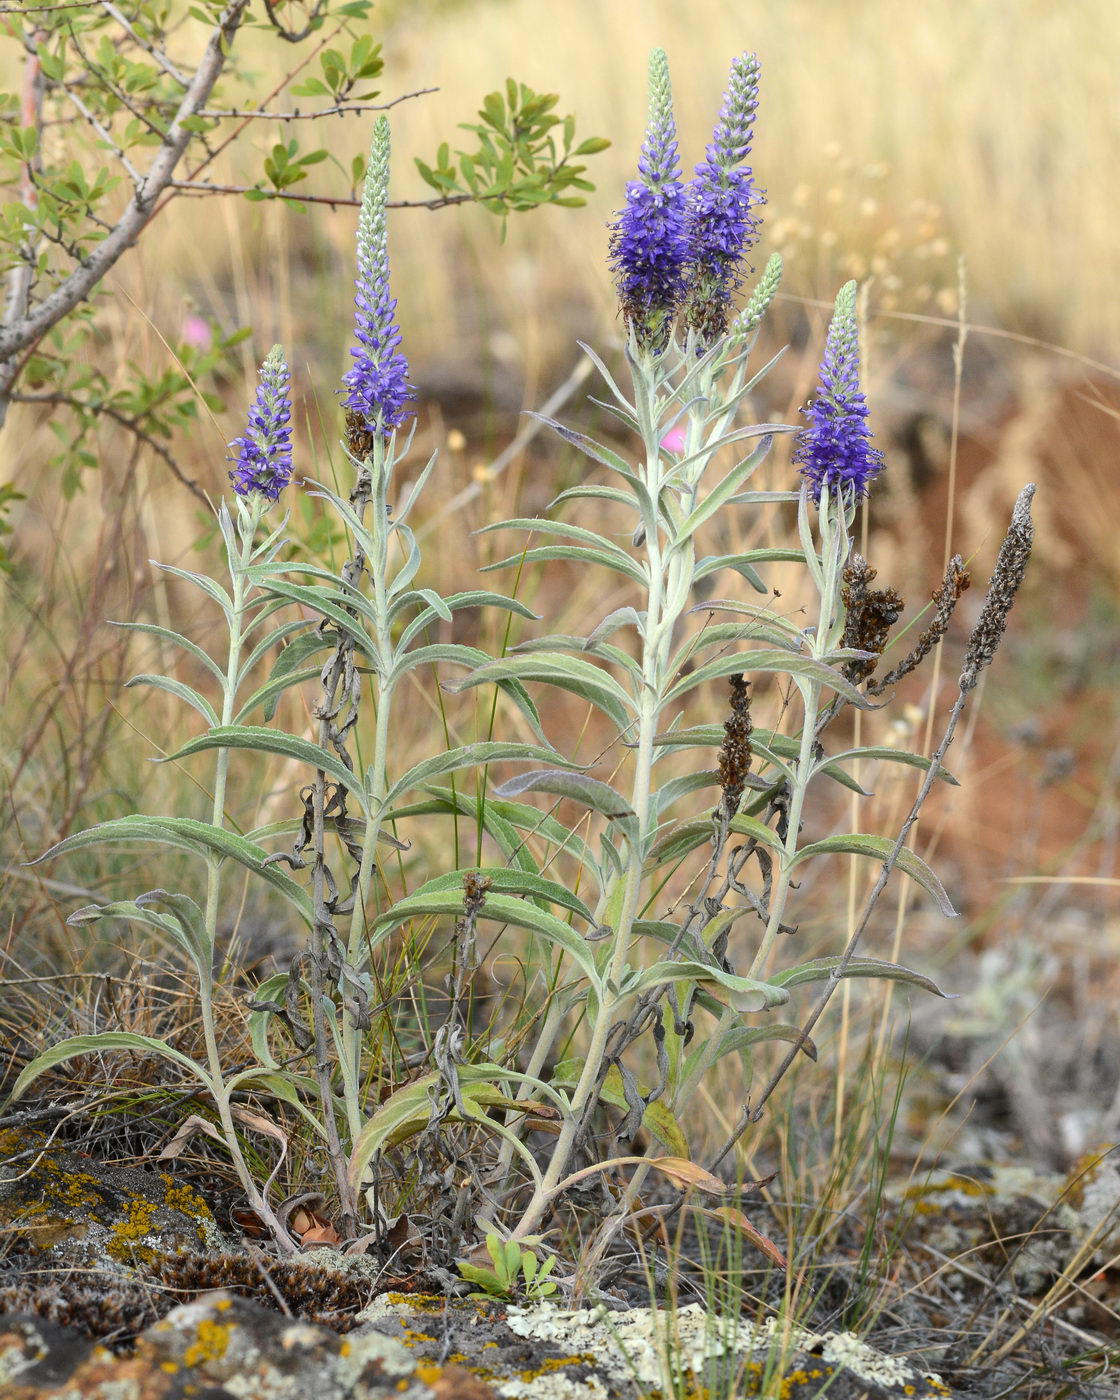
[239, 565]
[655, 649]
[377, 785]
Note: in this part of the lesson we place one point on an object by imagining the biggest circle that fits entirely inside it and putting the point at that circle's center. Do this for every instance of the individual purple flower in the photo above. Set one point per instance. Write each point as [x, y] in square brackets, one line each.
[377, 386]
[832, 449]
[649, 247]
[721, 198]
[264, 451]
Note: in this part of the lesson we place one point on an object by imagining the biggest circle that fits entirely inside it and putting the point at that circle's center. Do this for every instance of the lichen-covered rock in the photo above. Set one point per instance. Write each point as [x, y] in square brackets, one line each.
[1015, 1220]
[70, 1209]
[546, 1353]
[222, 1348]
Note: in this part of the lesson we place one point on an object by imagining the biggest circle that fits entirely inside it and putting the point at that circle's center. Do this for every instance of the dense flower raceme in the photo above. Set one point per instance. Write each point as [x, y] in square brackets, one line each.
[649, 247]
[721, 198]
[833, 448]
[264, 451]
[377, 386]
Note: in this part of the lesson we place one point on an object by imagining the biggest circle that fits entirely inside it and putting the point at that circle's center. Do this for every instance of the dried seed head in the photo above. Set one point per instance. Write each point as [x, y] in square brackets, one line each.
[735, 752]
[475, 889]
[1011, 565]
[872, 612]
[945, 597]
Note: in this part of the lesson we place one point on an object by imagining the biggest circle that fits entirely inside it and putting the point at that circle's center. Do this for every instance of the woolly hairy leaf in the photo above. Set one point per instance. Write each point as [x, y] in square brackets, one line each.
[746, 994]
[499, 908]
[513, 882]
[579, 646]
[616, 560]
[471, 598]
[885, 755]
[719, 495]
[456, 654]
[572, 673]
[184, 924]
[181, 691]
[762, 661]
[879, 848]
[167, 635]
[77, 1045]
[504, 821]
[261, 740]
[208, 586]
[591, 792]
[471, 756]
[676, 844]
[821, 968]
[184, 834]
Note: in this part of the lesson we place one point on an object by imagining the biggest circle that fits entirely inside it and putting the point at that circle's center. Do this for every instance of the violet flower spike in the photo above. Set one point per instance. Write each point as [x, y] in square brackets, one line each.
[264, 451]
[833, 448]
[722, 226]
[649, 246]
[377, 386]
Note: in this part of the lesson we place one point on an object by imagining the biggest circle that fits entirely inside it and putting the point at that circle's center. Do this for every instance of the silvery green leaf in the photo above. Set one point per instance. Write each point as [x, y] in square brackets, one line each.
[676, 788]
[408, 570]
[77, 1045]
[402, 512]
[723, 634]
[752, 663]
[808, 544]
[559, 641]
[885, 755]
[722, 493]
[582, 678]
[748, 558]
[296, 629]
[503, 880]
[167, 635]
[615, 560]
[746, 993]
[820, 969]
[498, 908]
[683, 839]
[208, 586]
[620, 617]
[269, 694]
[456, 654]
[181, 691]
[358, 529]
[185, 834]
[184, 925]
[470, 756]
[504, 821]
[765, 615]
[763, 498]
[596, 360]
[591, 792]
[262, 740]
[337, 604]
[471, 598]
[879, 848]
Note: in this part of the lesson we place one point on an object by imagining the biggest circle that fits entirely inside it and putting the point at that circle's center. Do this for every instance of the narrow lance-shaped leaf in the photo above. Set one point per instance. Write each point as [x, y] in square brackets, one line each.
[880, 848]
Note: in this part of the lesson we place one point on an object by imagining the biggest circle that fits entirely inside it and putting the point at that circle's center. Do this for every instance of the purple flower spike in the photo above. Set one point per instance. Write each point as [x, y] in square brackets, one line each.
[721, 196]
[649, 247]
[264, 452]
[832, 449]
[377, 386]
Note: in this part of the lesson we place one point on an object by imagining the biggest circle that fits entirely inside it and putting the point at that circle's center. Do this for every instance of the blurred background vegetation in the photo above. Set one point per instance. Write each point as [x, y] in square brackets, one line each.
[954, 159]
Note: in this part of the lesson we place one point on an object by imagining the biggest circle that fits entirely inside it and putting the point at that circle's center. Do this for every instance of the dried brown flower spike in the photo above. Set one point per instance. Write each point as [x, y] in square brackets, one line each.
[1006, 578]
[735, 752]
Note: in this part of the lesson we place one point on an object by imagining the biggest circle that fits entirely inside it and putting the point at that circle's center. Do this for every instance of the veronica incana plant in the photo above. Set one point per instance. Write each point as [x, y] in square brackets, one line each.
[622, 989]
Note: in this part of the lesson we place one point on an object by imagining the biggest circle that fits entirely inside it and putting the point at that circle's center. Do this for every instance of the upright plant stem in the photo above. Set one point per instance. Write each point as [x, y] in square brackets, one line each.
[657, 637]
[239, 565]
[377, 786]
